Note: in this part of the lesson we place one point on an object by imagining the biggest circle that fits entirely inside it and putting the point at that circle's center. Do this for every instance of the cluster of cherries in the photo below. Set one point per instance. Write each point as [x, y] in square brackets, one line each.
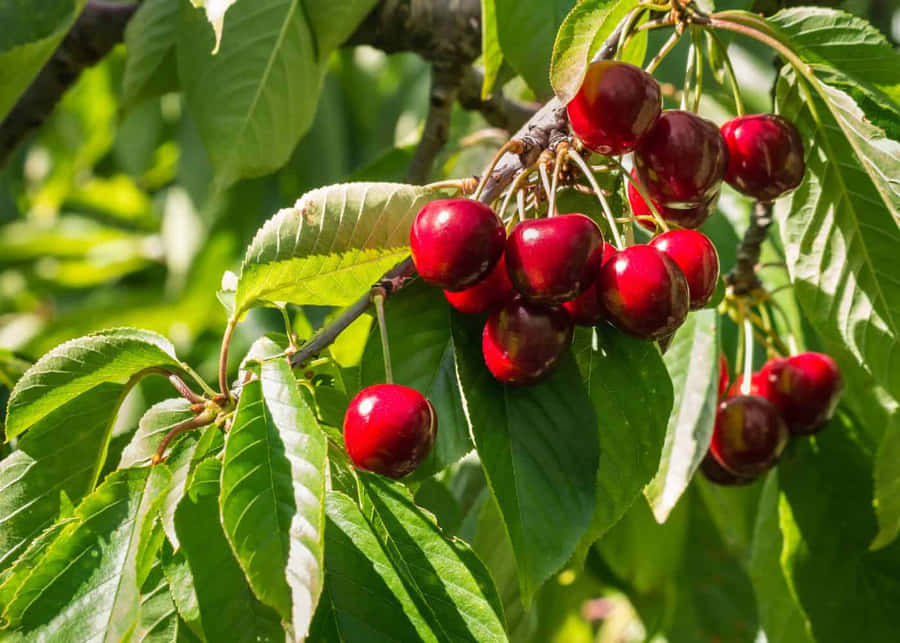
[788, 396]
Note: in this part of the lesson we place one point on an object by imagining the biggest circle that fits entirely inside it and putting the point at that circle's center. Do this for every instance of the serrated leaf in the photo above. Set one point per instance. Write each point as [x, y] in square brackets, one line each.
[538, 447]
[273, 494]
[693, 366]
[331, 246]
[158, 620]
[422, 357]
[86, 585]
[150, 38]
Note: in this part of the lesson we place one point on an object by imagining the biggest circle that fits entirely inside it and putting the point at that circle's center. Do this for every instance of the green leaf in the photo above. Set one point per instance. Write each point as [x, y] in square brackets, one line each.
[182, 588]
[827, 522]
[30, 35]
[87, 582]
[334, 22]
[215, 14]
[632, 396]
[228, 609]
[491, 54]
[422, 357]
[273, 493]
[158, 620]
[538, 446]
[580, 36]
[693, 365]
[331, 246]
[82, 380]
[150, 39]
[887, 485]
[526, 31]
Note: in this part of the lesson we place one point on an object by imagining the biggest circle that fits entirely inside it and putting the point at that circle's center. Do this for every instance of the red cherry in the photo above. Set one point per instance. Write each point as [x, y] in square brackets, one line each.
[765, 155]
[585, 309]
[643, 292]
[553, 260]
[715, 472]
[723, 375]
[456, 242]
[805, 388]
[749, 435]
[682, 161]
[522, 342]
[684, 217]
[488, 294]
[695, 254]
[616, 106]
[755, 389]
[389, 429]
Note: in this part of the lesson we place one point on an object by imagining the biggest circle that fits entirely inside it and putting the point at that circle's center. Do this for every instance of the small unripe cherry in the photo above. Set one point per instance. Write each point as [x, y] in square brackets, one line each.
[456, 242]
[522, 342]
[805, 388]
[586, 309]
[765, 155]
[695, 254]
[488, 294]
[749, 435]
[389, 429]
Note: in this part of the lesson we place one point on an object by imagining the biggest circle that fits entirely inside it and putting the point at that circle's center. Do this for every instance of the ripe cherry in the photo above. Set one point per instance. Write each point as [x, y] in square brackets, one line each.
[389, 429]
[456, 242]
[715, 472]
[488, 294]
[553, 260]
[805, 388]
[643, 292]
[684, 217]
[765, 155]
[749, 435]
[754, 389]
[695, 254]
[586, 309]
[616, 106]
[522, 342]
[682, 160]
[723, 375]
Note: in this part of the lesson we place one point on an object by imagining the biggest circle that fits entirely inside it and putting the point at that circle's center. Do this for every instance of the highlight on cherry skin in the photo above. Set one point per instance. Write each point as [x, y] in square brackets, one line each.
[389, 429]
[695, 254]
[456, 242]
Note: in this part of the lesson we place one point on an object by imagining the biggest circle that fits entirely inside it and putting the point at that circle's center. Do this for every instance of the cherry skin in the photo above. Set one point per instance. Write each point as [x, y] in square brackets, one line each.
[552, 260]
[389, 429]
[585, 309]
[616, 106]
[765, 155]
[755, 385]
[715, 472]
[488, 294]
[695, 254]
[522, 342]
[684, 217]
[682, 161]
[723, 375]
[749, 435]
[456, 242]
[643, 292]
[805, 388]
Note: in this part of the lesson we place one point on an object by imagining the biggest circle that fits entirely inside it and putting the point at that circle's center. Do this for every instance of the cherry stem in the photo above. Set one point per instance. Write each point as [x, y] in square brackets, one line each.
[196, 422]
[561, 151]
[729, 70]
[545, 181]
[184, 390]
[697, 46]
[223, 359]
[748, 356]
[627, 27]
[378, 300]
[689, 73]
[513, 189]
[610, 217]
[660, 222]
[288, 329]
[520, 205]
[663, 51]
[513, 145]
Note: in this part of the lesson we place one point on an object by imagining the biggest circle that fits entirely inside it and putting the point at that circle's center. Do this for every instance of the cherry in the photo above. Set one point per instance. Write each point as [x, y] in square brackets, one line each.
[389, 429]
[553, 260]
[805, 388]
[643, 292]
[586, 309]
[723, 375]
[522, 342]
[715, 472]
[684, 217]
[488, 294]
[456, 242]
[748, 436]
[755, 389]
[765, 155]
[616, 106]
[695, 254]
[682, 161]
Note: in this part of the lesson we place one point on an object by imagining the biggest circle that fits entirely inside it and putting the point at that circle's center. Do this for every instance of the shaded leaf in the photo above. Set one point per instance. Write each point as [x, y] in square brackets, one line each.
[150, 39]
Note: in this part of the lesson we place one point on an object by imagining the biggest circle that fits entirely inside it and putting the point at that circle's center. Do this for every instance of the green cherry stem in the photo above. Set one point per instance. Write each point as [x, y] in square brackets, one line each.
[223, 358]
[663, 52]
[748, 356]
[646, 197]
[545, 181]
[378, 300]
[610, 217]
[729, 70]
[627, 28]
[697, 46]
[512, 145]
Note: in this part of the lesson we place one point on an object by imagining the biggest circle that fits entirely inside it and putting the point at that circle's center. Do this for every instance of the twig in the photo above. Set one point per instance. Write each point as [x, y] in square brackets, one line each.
[497, 110]
[743, 278]
[444, 88]
[184, 390]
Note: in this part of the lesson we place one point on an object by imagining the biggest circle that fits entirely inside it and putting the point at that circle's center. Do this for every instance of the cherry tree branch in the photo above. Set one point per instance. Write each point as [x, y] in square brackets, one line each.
[743, 278]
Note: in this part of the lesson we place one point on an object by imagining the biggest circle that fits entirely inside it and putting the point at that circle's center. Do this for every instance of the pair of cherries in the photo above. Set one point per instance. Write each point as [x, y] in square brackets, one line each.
[792, 396]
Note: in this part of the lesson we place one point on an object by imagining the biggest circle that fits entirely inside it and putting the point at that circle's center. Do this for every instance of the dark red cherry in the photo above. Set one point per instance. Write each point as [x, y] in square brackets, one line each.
[643, 292]
[616, 106]
[805, 388]
[488, 294]
[389, 429]
[456, 242]
[522, 342]
[695, 254]
[715, 472]
[585, 309]
[749, 435]
[723, 375]
[553, 260]
[690, 218]
[682, 161]
[765, 155]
